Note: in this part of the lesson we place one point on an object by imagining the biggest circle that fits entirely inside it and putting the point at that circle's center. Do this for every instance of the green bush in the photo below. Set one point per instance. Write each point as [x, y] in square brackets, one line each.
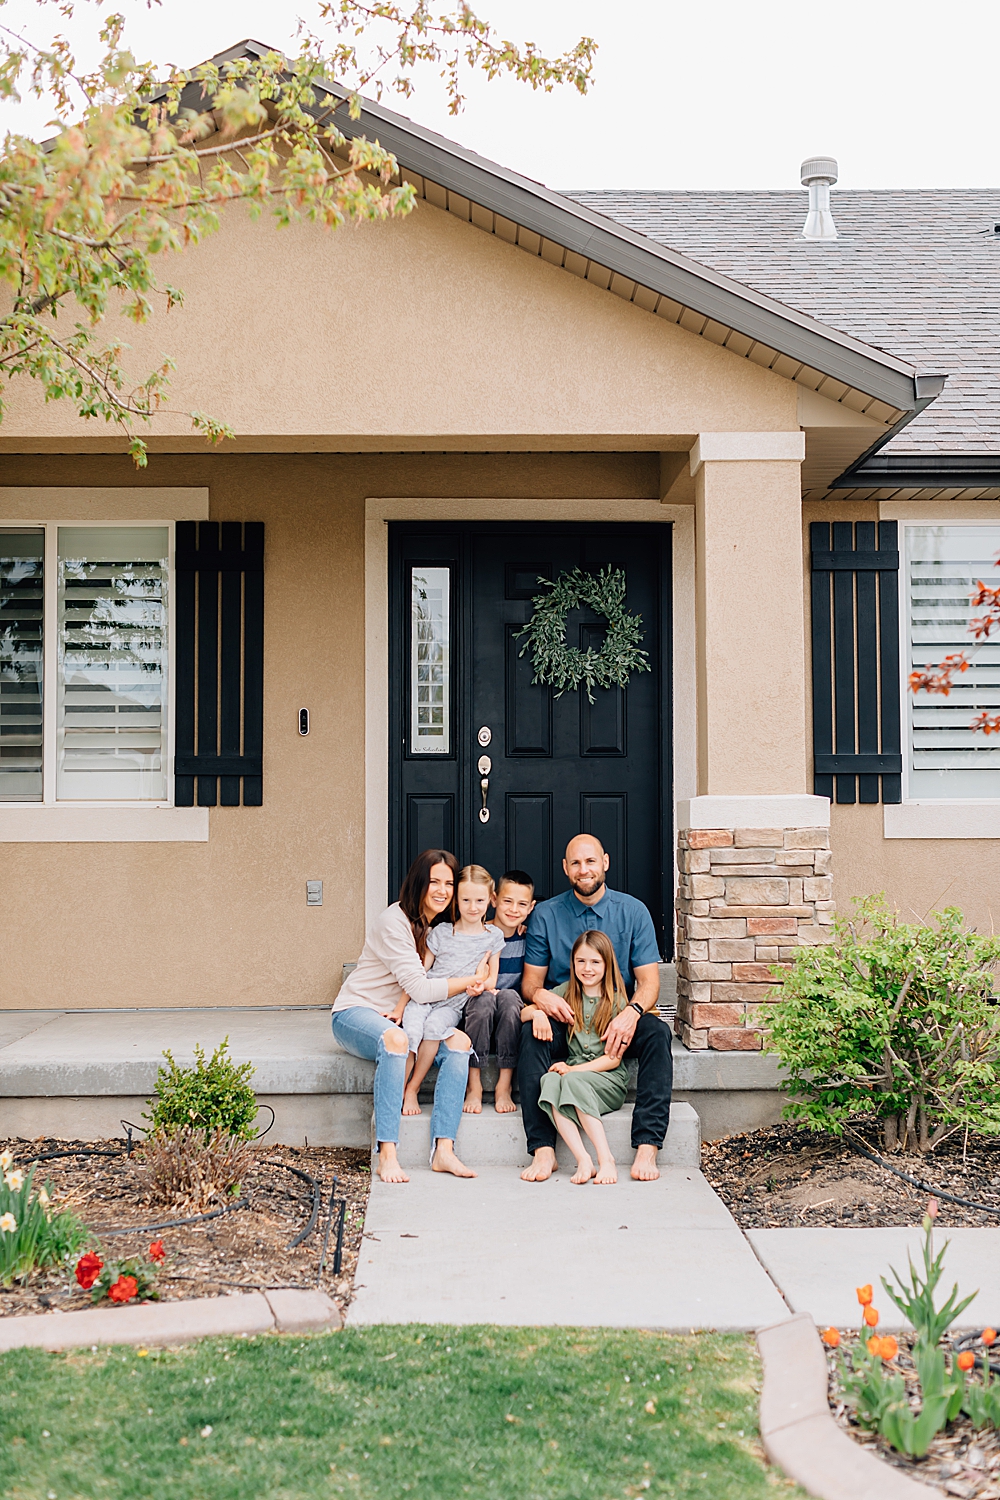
[214, 1095]
[894, 1022]
[34, 1236]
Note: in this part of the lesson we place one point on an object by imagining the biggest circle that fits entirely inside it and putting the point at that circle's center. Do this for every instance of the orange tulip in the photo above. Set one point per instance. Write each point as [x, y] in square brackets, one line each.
[865, 1295]
[966, 1360]
[888, 1347]
[831, 1337]
[989, 1336]
[871, 1317]
[874, 1345]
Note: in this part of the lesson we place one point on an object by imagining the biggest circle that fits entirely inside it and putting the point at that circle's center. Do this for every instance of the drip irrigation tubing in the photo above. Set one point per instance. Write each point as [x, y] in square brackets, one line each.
[925, 1187]
[317, 1198]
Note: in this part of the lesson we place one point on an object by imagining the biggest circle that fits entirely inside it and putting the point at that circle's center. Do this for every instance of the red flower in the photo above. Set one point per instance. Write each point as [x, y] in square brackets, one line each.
[88, 1268]
[157, 1252]
[989, 1336]
[966, 1360]
[124, 1289]
[830, 1337]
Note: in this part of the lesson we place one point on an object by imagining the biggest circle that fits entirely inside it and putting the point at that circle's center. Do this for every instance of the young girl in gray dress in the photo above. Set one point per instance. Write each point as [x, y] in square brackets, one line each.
[452, 949]
[589, 1084]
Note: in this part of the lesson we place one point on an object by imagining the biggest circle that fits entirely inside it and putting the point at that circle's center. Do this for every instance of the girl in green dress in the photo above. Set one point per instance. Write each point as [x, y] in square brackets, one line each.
[590, 1084]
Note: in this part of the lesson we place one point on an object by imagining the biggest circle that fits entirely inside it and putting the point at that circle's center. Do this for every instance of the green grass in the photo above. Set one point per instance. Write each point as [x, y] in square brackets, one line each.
[425, 1413]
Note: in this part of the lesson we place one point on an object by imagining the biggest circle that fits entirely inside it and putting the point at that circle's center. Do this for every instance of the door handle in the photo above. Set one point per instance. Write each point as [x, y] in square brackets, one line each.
[484, 812]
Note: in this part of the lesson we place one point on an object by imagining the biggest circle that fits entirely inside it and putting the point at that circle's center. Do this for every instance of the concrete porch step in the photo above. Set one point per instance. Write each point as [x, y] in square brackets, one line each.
[492, 1140]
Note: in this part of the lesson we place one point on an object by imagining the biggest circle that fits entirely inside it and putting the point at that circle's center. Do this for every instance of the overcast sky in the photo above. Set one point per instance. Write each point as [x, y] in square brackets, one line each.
[705, 94]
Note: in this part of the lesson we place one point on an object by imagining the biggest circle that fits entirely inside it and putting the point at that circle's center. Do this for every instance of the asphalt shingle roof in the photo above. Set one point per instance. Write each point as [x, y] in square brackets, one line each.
[914, 273]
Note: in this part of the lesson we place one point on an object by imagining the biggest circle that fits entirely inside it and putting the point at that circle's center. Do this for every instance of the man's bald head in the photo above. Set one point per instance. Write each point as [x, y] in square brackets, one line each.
[586, 866]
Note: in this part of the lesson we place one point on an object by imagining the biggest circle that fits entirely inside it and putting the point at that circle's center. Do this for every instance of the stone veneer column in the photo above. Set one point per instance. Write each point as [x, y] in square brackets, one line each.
[754, 884]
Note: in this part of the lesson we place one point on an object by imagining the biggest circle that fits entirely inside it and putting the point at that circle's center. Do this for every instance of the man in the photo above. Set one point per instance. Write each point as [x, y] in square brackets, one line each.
[635, 1032]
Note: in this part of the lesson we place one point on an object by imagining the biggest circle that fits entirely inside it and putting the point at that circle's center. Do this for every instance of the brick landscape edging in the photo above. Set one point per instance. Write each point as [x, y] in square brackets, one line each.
[157, 1323]
[747, 898]
[797, 1426]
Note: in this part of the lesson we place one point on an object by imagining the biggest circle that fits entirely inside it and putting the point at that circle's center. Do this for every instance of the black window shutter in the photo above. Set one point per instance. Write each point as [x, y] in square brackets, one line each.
[855, 660]
[219, 663]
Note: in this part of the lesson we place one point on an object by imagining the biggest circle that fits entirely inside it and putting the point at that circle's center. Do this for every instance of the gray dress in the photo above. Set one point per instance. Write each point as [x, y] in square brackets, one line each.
[573, 1094]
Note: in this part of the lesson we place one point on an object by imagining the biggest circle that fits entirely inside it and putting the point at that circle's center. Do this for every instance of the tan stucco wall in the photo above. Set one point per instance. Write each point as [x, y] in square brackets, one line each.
[225, 923]
[425, 329]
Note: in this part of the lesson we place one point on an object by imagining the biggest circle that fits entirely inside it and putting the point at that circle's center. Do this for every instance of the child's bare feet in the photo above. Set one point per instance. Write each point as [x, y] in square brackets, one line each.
[445, 1160]
[504, 1104]
[607, 1171]
[473, 1094]
[389, 1169]
[542, 1167]
[411, 1104]
[584, 1171]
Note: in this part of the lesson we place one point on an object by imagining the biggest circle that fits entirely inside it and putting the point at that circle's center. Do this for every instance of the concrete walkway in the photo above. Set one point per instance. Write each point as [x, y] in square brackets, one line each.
[819, 1269]
[498, 1250]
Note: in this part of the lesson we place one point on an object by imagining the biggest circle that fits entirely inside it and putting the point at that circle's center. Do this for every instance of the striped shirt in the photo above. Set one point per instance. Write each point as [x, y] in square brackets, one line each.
[511, 964]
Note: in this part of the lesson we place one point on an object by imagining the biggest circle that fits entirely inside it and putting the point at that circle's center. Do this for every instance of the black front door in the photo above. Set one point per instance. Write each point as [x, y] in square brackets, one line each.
[464, 710]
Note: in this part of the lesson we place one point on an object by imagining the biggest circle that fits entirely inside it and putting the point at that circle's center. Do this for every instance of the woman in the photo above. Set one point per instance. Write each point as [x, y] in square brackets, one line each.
[391, 962]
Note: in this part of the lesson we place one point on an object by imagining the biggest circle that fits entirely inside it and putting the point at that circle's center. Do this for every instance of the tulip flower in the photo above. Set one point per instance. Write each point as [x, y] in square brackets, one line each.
[830, 1337]
[932, 1208]
[871, 1317]
[989, 1336]
[966, 1360]
[874, 1345]
[865, 1295]
[888, 1347]
[157, 1252]
[124, 1289]
[88, 1268]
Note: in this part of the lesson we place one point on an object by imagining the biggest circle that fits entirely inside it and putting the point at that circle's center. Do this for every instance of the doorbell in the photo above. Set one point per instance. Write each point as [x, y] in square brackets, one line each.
[303, 721]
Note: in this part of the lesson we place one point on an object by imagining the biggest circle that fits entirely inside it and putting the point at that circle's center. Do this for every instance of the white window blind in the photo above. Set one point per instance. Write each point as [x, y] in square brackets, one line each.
[22, 554]
[946, 759]
[112, 663]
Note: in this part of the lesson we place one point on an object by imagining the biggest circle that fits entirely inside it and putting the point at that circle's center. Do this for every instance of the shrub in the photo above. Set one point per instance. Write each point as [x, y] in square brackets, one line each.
[893, 1022]
[121, 1281]
[191, 1169]
[214, 1095]
[34, 1236]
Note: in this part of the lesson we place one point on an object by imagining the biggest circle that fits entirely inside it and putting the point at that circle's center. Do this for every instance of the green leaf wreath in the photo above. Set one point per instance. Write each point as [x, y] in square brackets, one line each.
[565, 667]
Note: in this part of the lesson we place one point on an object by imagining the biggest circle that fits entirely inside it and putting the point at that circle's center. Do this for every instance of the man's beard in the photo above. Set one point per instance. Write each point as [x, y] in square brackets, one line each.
[587, 885]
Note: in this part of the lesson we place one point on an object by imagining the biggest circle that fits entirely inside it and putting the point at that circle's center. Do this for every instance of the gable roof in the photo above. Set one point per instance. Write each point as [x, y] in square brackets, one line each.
[914, 271]
[619, 258]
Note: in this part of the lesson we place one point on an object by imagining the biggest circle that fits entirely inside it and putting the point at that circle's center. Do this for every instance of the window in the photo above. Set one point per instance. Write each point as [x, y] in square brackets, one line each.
[84, 663]
[945, 758]
[430, 707]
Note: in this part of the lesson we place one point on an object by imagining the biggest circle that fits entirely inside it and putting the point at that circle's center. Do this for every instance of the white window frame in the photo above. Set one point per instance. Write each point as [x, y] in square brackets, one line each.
[122, 821]
[926, 817]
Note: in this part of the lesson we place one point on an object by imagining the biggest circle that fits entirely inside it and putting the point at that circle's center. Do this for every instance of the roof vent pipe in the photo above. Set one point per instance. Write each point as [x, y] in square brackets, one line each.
[818, 174]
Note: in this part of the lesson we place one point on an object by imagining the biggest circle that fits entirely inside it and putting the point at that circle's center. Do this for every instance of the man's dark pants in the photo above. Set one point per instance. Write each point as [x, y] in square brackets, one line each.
[650, 1046]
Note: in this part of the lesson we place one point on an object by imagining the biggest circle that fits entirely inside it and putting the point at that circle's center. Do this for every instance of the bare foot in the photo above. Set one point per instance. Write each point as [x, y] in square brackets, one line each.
[389, 1169]
[584, 1171]
[445, 1160]
[644, 1168]
[504, 1104]
[542, 1167]
[411, 1104]
[607, 1171]
[473, 1099]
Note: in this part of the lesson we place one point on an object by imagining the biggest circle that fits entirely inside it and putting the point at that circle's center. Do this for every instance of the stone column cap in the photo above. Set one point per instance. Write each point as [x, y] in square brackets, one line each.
[744, 447]
[794, 811]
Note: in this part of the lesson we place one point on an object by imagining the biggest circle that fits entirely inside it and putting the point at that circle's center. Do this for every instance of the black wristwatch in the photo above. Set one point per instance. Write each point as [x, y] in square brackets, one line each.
[637, 1007]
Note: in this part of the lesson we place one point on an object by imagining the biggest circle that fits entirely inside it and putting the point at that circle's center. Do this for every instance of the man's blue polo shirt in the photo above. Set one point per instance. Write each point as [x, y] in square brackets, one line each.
[555, 925]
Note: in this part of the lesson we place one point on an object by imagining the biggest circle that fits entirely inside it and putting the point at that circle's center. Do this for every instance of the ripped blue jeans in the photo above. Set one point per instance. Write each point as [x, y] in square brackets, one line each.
[360, 1030]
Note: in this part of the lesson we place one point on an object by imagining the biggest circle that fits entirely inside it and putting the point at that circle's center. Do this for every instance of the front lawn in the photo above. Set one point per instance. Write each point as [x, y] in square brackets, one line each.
[422, 1412]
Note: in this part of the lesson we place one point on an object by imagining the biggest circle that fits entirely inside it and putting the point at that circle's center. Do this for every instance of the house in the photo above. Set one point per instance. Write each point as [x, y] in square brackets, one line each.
[789, 445]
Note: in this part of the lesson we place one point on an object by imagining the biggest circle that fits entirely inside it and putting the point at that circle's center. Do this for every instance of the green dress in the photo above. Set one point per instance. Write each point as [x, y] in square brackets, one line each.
[587, 1093]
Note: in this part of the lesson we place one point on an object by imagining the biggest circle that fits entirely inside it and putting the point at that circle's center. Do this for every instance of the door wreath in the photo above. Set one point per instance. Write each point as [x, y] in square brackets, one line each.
[564, 667]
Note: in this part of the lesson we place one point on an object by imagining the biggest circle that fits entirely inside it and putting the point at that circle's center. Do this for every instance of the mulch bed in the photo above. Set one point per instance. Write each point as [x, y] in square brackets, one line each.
[786, 1177]
[246, 1250]
[961, 1461]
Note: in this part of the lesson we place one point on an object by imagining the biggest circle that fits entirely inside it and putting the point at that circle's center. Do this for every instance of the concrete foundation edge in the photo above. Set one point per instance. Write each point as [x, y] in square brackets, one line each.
[159, 1323]
[797, 1427]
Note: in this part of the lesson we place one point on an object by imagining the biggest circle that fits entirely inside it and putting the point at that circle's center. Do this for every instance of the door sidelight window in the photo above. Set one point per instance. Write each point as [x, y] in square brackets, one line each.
[430, 668]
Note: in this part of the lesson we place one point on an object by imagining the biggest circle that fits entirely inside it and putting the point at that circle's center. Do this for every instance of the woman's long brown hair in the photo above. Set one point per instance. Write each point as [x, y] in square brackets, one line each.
[613, 997]
[414, 889]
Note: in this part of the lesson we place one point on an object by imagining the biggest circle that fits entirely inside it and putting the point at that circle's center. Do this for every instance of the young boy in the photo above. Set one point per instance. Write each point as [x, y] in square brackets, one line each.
[499, 1011]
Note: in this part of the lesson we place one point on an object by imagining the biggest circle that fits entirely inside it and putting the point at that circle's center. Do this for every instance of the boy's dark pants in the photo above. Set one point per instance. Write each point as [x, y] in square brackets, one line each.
[494, 1013]
[650, 1045]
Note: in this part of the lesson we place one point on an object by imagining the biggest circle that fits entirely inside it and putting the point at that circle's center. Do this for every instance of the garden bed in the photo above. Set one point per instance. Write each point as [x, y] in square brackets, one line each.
[246, 1249]
[786, 1177]
[962, 1462]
